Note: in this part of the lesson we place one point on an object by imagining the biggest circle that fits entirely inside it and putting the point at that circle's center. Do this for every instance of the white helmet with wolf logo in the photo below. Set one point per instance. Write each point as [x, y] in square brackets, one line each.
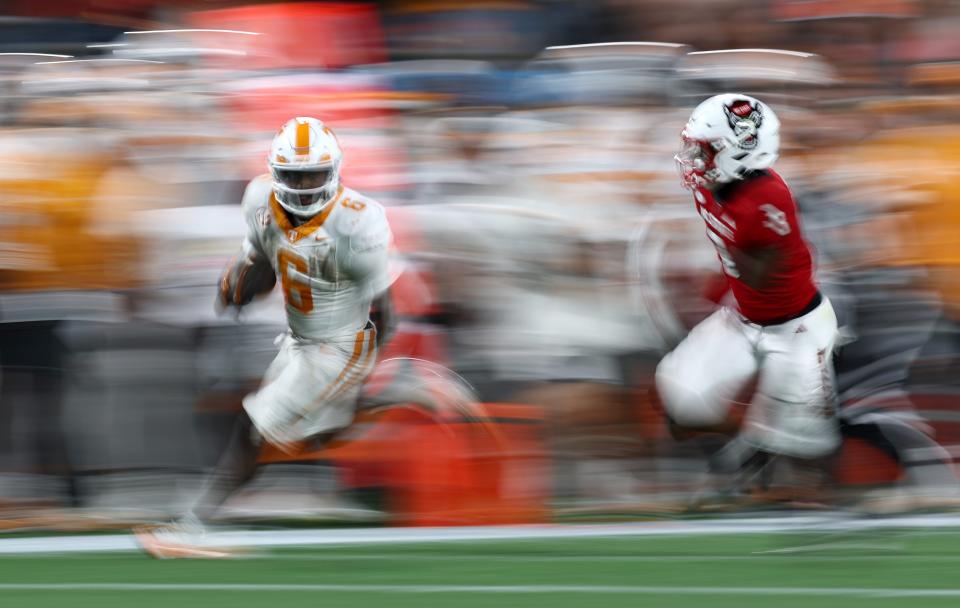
[726, 137]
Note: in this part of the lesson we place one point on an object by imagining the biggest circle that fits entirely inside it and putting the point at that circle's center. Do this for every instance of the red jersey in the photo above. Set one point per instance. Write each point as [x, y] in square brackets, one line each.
[756, 214]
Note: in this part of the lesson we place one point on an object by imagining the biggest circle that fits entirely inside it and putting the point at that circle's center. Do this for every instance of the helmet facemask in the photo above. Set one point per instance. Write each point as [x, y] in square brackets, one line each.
[305, 190]
[696, 162]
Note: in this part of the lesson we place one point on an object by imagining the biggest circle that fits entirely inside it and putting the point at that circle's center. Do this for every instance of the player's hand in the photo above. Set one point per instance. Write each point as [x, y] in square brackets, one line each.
[224, 293]
[243, 280]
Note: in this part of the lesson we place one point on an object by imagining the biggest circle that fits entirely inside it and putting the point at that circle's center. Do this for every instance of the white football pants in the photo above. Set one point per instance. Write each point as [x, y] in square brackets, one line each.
[311, 387]
[793, 410]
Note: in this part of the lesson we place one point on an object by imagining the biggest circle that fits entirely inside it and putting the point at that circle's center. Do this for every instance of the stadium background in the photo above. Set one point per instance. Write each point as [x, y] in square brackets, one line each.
[550, 254]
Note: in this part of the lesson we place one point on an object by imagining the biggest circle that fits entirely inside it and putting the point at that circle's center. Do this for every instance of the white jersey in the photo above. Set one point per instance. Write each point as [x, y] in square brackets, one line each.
[331, 267]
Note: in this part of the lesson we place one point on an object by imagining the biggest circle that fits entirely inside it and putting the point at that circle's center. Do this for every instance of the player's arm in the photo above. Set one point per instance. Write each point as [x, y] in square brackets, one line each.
[368, 265]
[381, 313]
[250, 273]
[762, 251]
[367, 257]
[757, 264]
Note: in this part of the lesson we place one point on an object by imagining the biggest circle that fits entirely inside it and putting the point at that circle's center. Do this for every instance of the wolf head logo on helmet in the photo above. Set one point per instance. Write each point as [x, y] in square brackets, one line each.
[745, 119]
[726, 138]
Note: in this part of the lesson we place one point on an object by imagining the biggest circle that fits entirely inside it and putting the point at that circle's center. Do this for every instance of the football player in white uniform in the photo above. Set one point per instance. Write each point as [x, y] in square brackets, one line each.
[328, 247]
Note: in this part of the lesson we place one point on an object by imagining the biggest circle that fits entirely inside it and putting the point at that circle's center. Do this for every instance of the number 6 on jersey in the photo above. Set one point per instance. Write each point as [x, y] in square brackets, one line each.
[295, 292]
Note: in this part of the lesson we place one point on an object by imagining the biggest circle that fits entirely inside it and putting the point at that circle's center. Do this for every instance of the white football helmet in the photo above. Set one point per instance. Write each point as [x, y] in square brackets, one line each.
[305, 163]
[726, 137]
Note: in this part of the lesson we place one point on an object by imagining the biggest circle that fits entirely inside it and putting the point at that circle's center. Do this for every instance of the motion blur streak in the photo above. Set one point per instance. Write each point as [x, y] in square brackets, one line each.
[550, 258]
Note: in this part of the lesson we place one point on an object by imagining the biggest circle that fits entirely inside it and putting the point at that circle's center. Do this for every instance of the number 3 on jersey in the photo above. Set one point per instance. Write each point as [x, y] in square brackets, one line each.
[729, 266]
[295, 292]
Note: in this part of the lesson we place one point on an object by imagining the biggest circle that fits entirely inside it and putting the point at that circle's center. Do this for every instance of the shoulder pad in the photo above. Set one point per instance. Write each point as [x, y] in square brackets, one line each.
[256, 200]
[360, 215]
[769, 186]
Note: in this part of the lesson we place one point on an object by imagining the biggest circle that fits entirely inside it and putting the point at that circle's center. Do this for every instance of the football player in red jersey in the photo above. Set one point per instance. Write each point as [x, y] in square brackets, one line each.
[781, 330]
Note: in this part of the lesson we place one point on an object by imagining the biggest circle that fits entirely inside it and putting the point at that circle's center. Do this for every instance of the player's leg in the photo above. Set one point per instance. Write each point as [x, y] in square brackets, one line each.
[309, 390]
[929, 479]
[794, 412]
[315, 394]
[698, 381]
[236, 466]
[302, 396]
[926, 463]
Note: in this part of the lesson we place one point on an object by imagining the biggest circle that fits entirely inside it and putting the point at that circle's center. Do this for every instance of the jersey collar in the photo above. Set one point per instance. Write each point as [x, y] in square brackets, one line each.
[295, 233]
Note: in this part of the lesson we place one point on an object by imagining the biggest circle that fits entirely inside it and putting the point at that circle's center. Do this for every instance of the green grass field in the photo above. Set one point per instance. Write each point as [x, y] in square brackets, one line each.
[888, 568]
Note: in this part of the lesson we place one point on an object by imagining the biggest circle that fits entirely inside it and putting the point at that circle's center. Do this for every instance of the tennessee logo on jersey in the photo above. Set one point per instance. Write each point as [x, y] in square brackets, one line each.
[263, 217]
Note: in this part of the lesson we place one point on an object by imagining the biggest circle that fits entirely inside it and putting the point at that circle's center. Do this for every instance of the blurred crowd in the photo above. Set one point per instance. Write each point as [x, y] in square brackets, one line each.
[524, 150]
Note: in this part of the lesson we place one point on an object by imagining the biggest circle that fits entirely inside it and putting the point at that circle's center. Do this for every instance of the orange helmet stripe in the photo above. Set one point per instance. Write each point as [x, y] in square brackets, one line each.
[303, 138]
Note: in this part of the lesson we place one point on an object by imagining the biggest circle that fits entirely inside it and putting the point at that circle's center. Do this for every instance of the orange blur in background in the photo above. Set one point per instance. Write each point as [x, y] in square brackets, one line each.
[524, 151]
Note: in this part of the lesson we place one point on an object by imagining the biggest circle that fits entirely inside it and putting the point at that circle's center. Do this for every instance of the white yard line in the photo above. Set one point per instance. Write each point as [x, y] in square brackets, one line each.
[501, 589]
[445, 557]
[492, 557]
[385, 536]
